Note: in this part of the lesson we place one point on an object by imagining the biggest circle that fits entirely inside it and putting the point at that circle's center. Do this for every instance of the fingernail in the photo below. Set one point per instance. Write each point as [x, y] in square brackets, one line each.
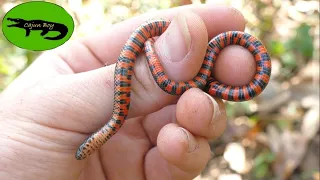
[216, 112]
[176, 41]
[192, 143]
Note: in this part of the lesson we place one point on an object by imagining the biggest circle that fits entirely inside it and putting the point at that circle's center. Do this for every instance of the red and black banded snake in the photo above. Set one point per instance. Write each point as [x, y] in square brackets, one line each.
[142, 40]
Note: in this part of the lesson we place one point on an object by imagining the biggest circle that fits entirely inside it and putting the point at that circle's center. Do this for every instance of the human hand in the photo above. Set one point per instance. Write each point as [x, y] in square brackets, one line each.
[67, 94]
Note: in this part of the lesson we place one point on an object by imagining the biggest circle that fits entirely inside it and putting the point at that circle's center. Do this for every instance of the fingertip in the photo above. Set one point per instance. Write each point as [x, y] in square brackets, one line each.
[235, 66]
[201, 114]
[182, 149]
[171, 143]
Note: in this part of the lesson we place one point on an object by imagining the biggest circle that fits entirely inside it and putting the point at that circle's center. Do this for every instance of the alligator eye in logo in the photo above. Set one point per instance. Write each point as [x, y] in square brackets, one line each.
[37, 26]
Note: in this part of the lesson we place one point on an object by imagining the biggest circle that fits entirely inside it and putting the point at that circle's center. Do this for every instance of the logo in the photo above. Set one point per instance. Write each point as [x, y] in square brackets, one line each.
[37, 25]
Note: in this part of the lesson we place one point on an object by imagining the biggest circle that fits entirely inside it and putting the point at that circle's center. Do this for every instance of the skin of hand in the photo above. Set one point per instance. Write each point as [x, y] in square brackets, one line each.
[67, 94]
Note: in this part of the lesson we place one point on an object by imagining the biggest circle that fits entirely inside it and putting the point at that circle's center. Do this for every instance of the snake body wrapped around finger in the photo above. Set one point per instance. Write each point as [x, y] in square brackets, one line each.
[142, 40]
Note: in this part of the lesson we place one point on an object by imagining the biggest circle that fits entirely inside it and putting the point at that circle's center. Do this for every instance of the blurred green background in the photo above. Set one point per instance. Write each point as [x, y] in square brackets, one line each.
[274, 136]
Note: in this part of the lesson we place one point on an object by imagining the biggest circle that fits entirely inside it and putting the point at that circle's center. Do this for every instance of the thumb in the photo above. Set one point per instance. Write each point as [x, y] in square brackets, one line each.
[181, 49]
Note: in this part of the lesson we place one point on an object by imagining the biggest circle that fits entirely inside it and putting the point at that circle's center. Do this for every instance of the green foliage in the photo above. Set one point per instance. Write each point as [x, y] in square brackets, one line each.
[262, 163]
[233, 109]
[276, 48]
[308, 174]
[283, 124]
[304, 41]
[301, 43]
[289, 60]
[295, 51]
[4, 70]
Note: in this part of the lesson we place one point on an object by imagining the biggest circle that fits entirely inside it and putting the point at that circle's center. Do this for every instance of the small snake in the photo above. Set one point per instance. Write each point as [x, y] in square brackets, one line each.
[141, 40]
